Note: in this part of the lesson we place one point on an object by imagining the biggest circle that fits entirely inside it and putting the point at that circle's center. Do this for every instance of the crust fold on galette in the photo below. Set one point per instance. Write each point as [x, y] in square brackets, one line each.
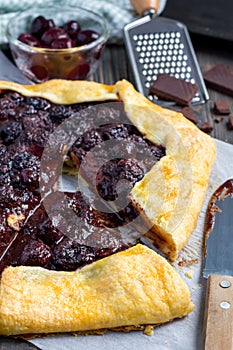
[172, 193]
[133, 287]
[64, 91]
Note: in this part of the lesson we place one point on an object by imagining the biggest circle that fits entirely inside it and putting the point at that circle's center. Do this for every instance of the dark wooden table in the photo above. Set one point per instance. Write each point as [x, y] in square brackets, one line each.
[114, 67]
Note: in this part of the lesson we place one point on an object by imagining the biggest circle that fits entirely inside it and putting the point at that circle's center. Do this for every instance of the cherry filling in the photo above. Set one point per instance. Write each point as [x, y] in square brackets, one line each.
[112, 172]
[64, 231]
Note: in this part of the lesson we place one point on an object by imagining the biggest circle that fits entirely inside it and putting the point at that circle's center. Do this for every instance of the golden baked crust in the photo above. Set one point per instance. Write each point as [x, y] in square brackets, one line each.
[64, 91]
[136, 286]
[171, 195]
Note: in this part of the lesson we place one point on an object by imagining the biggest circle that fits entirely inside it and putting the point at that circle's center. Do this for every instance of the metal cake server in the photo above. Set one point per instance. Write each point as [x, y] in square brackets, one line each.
[9, 72]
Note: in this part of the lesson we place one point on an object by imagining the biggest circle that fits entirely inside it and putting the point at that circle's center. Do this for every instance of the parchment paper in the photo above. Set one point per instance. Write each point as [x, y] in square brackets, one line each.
[183, 334]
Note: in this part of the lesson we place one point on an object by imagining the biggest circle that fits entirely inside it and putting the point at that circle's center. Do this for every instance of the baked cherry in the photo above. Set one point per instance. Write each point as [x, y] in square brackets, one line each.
[103, 252]
[86, 36]
[30, 179]
[29, 39]
[69, 254]
[35, 254]
[114, 131]
[39, 25]
[130, 170]
[72, 28]
[91, 138]
[62, 43]
[9, 131]
[38, 103]
[50, 234]
[53, 34]
[25, 171]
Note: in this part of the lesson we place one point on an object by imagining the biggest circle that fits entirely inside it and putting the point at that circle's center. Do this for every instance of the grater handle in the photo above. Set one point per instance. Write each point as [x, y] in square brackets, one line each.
[141, 6]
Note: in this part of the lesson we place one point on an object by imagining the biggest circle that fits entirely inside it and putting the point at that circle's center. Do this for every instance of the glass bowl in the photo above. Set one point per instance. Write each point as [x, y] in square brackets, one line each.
[43, 63]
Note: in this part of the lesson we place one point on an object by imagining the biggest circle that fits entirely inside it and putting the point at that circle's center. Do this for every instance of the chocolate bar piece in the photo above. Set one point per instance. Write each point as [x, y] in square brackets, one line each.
[220, 78]
[222, 107]
[230, 123]
[170, 88]
[189, 114]
[218, 119]
[206, 127]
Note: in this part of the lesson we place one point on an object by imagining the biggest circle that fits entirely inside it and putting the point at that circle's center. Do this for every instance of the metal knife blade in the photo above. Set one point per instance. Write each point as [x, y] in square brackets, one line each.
[9, 72]
[219, 270]
[219, 253]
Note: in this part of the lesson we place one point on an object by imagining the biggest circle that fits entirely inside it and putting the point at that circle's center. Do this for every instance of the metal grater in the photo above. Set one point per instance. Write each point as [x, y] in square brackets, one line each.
[157, 45]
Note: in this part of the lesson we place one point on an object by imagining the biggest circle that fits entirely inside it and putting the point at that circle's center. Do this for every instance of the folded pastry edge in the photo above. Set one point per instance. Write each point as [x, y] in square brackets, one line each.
[183, 172]
[130, 288]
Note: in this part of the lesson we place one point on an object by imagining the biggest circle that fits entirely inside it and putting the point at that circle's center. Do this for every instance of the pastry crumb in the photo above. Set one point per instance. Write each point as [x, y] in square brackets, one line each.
[149, 330]
[189, 274]
[15, 221]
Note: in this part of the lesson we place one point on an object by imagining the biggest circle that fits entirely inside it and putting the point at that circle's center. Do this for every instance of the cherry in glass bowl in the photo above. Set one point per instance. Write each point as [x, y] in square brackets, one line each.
[57, 42]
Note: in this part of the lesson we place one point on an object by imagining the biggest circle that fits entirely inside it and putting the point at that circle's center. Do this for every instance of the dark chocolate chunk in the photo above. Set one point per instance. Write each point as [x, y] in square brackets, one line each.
[170, 88]
[222, 107]
[189, 114]
[220, 78]
[206, 127]
[218, 119]
[230, 123]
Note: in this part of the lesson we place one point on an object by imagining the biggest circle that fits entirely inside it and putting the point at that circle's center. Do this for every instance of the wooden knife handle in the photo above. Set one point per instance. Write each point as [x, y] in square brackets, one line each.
[219, 313]
[142, 5]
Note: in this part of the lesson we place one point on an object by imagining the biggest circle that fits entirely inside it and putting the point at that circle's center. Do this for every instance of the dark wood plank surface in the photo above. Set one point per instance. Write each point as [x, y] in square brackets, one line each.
[115, 67]
[209, 17]
[209, 52]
